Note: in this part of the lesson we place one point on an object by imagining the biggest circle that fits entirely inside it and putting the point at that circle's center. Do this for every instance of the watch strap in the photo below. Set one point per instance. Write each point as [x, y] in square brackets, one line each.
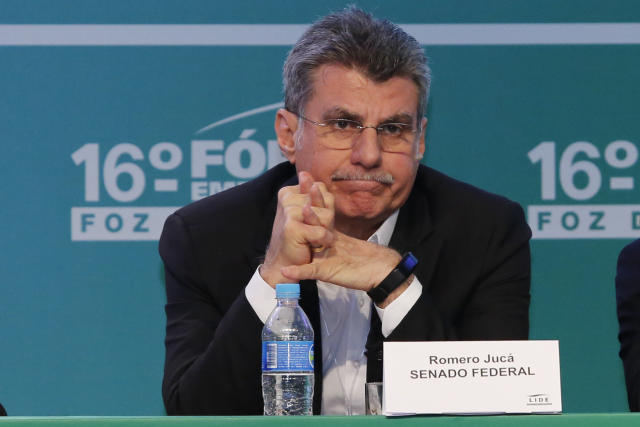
[394, 279]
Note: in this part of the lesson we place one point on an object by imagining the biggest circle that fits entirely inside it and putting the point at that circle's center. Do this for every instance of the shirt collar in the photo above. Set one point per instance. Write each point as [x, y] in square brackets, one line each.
[382, 236]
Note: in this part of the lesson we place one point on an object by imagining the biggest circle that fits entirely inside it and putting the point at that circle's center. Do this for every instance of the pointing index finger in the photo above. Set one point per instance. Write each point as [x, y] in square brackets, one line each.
[317, 199]
[306, 181]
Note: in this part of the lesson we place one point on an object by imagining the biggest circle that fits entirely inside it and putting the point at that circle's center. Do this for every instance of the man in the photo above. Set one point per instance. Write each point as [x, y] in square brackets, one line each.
[339, 217]
[628, 301]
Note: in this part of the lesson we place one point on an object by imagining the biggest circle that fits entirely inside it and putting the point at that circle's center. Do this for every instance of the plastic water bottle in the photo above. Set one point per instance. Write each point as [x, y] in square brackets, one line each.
[287, 356]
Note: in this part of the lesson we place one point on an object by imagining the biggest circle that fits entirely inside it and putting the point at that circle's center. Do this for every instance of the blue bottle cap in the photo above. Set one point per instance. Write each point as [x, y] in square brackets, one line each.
[287, 290]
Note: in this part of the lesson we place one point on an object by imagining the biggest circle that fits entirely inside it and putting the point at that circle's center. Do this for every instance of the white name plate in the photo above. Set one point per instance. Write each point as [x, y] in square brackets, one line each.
[471, 377]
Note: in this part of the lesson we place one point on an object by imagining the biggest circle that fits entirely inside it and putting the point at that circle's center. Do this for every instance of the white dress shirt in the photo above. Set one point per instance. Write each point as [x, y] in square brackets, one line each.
[345, 316]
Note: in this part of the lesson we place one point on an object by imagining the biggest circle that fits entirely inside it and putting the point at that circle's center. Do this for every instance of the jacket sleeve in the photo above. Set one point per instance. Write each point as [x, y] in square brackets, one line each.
[628, 304]
[212, 363]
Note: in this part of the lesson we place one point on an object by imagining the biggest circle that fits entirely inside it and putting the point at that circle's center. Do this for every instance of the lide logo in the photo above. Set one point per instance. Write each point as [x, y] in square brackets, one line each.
[216, 158]
[586, 176]
[538, 400]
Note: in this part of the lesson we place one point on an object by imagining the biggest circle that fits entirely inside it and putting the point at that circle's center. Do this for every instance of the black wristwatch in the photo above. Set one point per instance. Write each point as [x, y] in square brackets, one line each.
[399, 274]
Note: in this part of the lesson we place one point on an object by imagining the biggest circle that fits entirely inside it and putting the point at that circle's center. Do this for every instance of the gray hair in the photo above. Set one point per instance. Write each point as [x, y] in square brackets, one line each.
[354, 38]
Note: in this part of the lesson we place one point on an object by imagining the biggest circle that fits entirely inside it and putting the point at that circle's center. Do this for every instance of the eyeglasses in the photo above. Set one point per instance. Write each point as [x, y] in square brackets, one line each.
[340, 134]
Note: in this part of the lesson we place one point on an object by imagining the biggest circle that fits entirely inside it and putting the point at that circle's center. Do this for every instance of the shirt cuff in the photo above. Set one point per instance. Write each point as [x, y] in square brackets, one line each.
[398, 309]
[260, 295]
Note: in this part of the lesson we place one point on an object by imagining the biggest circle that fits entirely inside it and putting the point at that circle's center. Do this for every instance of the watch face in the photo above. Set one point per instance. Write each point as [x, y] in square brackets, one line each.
[410, 262]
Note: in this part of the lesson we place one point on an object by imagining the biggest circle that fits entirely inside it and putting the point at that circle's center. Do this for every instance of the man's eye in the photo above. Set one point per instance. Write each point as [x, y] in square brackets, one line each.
[392, 128]
[343, 124]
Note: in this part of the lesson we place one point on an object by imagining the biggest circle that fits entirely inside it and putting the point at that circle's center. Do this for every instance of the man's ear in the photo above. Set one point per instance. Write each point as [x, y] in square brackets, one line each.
[286, 126]
[421, 143]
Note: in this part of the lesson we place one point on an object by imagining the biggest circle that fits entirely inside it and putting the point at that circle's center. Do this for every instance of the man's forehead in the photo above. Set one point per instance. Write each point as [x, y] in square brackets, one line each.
[326, 73]
[340, 87]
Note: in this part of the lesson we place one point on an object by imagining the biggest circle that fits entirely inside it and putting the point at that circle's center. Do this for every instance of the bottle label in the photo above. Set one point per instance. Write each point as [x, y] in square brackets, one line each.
[283, 356]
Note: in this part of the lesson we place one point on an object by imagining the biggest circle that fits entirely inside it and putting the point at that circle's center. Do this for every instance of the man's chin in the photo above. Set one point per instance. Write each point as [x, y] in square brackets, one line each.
[361, 207]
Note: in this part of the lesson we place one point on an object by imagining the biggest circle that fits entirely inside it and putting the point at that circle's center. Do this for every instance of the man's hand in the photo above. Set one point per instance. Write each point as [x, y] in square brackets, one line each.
[351, 263]
[292, 238]
[305, 245]
[348, 262]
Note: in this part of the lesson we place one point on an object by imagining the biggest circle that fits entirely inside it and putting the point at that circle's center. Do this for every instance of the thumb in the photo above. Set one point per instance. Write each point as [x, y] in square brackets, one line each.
[299, 272]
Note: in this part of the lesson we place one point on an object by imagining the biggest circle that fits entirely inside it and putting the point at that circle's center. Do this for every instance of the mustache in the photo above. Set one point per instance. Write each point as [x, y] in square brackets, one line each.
[381, 177]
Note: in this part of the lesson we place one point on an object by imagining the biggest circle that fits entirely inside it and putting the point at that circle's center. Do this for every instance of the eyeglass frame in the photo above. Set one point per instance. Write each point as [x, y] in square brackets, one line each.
[361, 127]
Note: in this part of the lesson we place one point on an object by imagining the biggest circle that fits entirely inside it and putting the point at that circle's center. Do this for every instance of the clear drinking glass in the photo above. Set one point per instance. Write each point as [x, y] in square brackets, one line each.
[373, 398]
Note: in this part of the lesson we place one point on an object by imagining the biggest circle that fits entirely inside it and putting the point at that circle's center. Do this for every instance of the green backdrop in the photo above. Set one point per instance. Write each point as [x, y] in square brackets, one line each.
[108, 123]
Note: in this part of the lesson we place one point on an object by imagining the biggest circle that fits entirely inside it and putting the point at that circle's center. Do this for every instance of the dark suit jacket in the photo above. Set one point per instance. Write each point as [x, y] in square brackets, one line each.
[628, 301]
[473, 249]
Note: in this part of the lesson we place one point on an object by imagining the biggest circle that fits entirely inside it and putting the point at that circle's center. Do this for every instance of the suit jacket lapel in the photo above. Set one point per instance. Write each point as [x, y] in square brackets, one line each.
[415, 232]
[414, 222]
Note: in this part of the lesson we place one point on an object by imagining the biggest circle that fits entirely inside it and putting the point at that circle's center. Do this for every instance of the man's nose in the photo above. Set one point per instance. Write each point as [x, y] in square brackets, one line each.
[366, 149]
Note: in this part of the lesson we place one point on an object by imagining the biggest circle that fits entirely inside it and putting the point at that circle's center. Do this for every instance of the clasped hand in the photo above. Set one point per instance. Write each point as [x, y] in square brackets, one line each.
[306, 245]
